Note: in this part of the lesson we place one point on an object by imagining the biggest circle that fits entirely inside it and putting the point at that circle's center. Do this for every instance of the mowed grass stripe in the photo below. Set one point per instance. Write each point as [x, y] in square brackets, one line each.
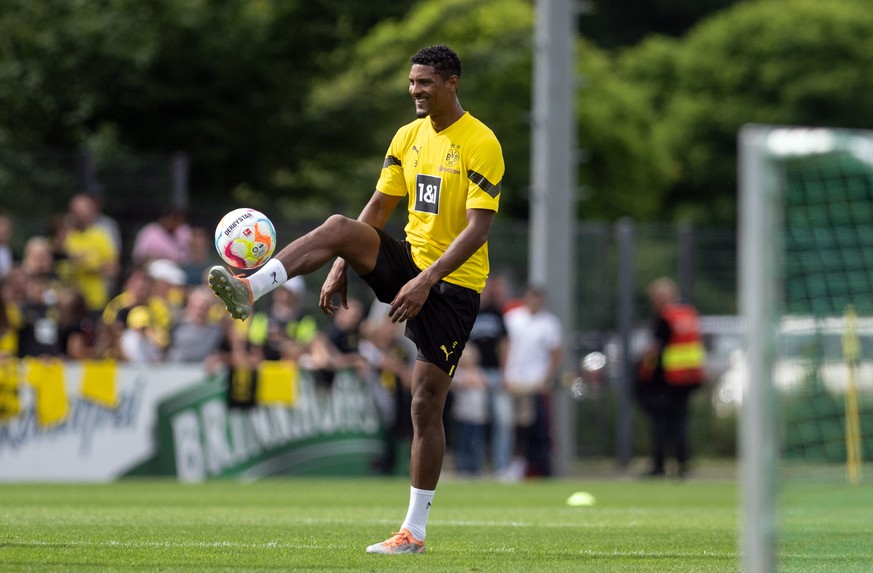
[313, 524]
[325, 524]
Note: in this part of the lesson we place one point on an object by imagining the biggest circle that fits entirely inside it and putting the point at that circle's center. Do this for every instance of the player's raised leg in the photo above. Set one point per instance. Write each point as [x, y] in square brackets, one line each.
[338, 236]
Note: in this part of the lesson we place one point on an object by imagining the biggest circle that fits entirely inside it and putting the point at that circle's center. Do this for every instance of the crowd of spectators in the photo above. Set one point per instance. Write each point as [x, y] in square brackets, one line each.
[67, 295]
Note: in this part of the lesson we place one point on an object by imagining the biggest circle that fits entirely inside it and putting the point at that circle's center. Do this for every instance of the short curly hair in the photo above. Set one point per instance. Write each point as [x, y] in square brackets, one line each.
[443, 59]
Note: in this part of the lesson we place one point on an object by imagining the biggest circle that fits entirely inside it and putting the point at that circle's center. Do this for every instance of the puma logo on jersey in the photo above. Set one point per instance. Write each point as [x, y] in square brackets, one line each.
[448, 352]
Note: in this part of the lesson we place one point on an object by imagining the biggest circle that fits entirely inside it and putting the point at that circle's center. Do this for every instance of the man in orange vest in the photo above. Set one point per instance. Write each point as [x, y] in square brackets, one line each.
[671, 368]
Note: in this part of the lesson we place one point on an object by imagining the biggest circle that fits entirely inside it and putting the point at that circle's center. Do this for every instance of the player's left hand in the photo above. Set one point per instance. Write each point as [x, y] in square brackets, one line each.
[408, 302]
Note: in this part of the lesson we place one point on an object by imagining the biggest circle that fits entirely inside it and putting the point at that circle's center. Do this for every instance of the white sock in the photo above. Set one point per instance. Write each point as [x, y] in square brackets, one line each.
[269, 277]
[416, 516]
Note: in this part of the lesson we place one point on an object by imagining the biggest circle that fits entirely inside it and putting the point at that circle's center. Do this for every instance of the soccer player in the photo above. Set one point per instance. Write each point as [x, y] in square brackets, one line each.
[450, 166]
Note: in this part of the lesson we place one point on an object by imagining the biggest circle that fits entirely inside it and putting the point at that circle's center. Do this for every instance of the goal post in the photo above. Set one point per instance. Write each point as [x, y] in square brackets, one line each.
[757, 432]
[806, 298]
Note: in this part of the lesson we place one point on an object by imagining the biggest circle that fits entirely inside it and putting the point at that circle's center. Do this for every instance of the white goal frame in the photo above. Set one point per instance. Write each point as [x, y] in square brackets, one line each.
[757, 431]
[761, 149]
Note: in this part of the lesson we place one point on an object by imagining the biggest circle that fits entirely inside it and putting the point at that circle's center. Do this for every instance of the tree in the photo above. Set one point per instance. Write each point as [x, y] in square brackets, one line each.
[61, 62]
[291, 103]
[623, 172]
[620, 172]
[798, 62]
[223, 80]
[615, 23]
[358, 109]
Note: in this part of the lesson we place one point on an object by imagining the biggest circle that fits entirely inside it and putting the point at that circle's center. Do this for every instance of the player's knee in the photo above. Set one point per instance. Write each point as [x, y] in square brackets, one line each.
[336, 227]
[427, 405]
[421, 410]
[336, 222]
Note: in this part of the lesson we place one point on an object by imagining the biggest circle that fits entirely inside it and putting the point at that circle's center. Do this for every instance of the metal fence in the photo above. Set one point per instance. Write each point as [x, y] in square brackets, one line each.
[35, 186]
[702, 261]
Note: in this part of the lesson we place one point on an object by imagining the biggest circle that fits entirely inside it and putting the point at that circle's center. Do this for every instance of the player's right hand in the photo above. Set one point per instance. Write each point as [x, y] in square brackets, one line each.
[337, 282]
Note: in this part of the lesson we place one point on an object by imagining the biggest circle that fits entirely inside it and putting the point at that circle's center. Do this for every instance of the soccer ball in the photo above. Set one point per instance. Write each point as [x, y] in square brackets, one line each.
[245, 238]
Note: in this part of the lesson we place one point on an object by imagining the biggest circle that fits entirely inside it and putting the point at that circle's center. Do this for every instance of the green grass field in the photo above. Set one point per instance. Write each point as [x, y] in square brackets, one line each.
[324, 525]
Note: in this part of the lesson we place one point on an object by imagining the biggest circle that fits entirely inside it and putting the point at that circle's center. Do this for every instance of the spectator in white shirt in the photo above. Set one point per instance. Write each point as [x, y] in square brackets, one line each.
[533, 359]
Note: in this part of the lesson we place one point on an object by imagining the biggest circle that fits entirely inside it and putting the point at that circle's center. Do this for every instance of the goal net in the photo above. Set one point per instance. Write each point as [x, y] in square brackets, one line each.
[806, 292]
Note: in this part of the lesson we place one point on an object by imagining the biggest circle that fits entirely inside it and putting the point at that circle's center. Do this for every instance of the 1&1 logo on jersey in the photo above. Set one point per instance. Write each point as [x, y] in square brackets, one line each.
[427, 193]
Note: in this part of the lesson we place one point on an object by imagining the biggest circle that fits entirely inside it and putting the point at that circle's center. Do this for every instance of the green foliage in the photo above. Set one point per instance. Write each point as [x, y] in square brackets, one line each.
[225, 81]
[358, 108]
[61, 62]
[771, 61]
[613, 23]
[623, 172]
[293, 102]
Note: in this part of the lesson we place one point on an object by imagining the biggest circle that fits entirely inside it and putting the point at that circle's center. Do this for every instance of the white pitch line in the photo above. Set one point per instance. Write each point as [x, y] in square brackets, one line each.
[167, 544]
[280, 522]
[277, 545]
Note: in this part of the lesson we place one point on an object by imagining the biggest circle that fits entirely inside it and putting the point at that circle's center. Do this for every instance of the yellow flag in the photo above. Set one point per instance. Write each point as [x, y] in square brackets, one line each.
[98, 382]
[10, 405]
[47, 378]
[277, 382]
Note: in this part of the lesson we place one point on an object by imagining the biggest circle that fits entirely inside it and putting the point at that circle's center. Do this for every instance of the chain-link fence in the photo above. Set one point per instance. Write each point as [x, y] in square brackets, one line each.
[702, 261]
[36, 186]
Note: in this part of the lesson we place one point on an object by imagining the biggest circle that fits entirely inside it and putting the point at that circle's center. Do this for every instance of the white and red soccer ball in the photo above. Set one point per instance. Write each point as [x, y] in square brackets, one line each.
[245, 238]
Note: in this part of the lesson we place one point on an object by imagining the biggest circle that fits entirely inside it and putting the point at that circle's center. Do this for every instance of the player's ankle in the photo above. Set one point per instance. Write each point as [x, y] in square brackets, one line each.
[269, 277]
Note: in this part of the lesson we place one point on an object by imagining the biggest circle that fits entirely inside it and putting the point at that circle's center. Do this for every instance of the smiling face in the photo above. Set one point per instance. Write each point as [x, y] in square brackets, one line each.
[433, 95]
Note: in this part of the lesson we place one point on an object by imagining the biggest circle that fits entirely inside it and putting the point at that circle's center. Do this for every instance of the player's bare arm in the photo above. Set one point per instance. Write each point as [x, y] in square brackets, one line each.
[376, 212]
[410, 299]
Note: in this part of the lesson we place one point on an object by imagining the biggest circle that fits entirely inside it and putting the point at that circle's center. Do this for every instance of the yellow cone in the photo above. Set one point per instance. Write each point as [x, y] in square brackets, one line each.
[581, 499]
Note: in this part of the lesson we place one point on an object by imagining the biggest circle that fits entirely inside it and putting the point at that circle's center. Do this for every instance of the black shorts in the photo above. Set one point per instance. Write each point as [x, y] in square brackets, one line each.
[442, 327]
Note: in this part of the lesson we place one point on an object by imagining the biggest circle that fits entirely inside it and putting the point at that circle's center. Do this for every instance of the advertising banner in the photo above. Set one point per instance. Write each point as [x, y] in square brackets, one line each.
[173, 420]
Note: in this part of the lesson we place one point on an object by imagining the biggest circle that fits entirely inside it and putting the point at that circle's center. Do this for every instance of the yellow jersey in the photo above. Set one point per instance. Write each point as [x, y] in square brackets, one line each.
[9, 336]
[91, 249]
[444, 174]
